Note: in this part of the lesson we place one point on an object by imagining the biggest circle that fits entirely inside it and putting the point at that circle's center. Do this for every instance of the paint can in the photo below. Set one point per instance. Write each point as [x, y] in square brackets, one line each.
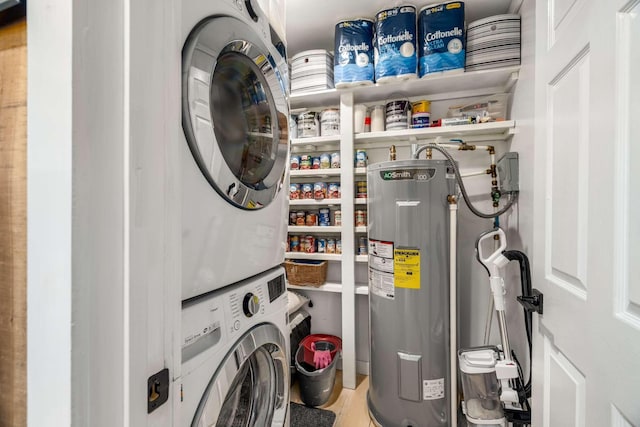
[325, 161]
[294, 191]
[324, 217]
[441, 38]
[333, 190]
[395, 47]
[420, 114]
[308, 124]
[353, 58]
[320, 190]
[307, 191]
[398, 114]
[330, 122]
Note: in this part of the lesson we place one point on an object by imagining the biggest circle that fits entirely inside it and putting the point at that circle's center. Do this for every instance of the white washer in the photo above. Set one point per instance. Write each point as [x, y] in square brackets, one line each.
[235, 144]
[235, 369]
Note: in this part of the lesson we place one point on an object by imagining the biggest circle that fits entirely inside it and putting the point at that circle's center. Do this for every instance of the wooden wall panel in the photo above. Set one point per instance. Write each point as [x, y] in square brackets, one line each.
[13, 223]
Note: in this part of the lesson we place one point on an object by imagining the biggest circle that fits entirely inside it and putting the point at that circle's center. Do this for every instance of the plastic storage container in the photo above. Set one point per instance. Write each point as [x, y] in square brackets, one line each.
[316, 338]
[480, 385]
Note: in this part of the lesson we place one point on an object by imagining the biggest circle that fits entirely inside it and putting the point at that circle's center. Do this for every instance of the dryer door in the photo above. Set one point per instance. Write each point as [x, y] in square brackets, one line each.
[234, 110]
[251, 387]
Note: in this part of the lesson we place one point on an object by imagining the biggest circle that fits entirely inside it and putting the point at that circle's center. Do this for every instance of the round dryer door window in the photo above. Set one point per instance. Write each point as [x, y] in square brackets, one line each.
[235, 110]
[251, 388]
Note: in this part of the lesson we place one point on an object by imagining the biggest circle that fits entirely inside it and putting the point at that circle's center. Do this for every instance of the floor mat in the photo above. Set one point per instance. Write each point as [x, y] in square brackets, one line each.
[304, 416]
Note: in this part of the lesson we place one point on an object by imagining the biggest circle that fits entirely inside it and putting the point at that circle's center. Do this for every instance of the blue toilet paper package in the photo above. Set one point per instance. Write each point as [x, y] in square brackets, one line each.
[353, 59]
[395, 44]
[441, 38]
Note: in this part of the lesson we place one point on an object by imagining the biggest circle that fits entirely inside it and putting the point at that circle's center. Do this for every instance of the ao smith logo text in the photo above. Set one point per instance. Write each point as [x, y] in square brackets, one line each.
[407, 174]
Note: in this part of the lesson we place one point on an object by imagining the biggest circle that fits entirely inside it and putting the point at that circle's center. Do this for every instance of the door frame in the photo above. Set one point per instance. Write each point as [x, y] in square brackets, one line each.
[103, 209]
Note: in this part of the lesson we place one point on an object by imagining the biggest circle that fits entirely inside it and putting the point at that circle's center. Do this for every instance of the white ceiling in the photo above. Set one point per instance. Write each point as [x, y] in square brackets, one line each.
[310, 24]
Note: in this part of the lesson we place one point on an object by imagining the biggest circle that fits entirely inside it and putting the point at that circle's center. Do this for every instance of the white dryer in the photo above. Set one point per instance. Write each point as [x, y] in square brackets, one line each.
[235, 369]
[235, 145]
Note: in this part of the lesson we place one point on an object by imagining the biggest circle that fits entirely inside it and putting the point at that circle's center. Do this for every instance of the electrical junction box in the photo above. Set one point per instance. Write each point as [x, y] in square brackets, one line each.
[508, 173]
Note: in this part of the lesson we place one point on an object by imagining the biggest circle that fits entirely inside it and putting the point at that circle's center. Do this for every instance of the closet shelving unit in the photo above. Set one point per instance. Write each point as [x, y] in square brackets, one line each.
[434, 88]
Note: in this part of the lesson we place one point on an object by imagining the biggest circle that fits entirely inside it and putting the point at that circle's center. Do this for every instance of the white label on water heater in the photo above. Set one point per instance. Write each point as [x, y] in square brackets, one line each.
[433, 389]
[381, 268]
[382, 284]
[381, 249]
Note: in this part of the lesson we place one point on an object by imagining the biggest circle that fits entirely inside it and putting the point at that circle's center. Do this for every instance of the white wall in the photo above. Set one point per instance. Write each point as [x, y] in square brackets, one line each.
[520, 227]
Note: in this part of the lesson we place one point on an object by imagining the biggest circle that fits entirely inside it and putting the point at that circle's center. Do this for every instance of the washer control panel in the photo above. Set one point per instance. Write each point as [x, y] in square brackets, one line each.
[246, 305]
[212, 320]
[201, 328]
[250, 304]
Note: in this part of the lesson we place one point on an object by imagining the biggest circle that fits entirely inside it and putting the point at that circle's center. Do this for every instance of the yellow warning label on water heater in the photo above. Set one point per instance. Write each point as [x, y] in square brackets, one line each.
[406, 268]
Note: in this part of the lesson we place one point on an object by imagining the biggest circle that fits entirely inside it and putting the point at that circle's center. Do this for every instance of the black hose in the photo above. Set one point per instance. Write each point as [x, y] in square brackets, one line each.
[465, 196]
[525, 283]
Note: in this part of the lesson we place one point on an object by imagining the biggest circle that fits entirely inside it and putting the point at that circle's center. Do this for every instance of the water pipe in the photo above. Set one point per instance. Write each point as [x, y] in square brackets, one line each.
[453, 307]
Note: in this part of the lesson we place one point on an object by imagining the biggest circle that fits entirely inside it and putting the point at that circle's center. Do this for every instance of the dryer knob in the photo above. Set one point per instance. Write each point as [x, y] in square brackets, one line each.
[251, 304]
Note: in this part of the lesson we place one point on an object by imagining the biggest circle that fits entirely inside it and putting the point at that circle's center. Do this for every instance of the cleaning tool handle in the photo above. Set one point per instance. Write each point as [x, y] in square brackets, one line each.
[495, 259]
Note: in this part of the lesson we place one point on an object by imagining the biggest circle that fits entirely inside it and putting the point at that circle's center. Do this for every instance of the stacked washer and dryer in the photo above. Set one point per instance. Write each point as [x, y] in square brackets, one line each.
[235, 337]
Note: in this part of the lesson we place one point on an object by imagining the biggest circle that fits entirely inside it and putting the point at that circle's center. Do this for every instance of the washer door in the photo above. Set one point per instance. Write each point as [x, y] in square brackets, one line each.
[234, 111]
[251, 387]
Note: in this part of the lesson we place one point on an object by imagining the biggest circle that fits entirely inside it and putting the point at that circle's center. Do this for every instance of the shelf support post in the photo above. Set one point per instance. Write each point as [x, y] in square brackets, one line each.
[348, 243]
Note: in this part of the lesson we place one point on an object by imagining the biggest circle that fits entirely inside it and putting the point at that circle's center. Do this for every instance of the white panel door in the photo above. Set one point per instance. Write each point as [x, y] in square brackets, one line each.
[586, 363]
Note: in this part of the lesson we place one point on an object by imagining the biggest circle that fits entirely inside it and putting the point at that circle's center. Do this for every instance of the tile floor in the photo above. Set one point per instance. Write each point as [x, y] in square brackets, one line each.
[350, 406]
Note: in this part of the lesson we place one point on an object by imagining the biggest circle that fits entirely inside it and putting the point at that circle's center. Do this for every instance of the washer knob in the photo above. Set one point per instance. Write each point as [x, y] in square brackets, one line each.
[251, 304]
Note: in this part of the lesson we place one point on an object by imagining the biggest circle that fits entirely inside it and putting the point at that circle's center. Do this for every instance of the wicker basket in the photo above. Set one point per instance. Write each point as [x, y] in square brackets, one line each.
[306, 273]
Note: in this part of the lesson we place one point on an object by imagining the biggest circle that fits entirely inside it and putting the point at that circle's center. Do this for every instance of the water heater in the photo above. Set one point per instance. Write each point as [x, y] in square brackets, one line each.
[409, 292]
